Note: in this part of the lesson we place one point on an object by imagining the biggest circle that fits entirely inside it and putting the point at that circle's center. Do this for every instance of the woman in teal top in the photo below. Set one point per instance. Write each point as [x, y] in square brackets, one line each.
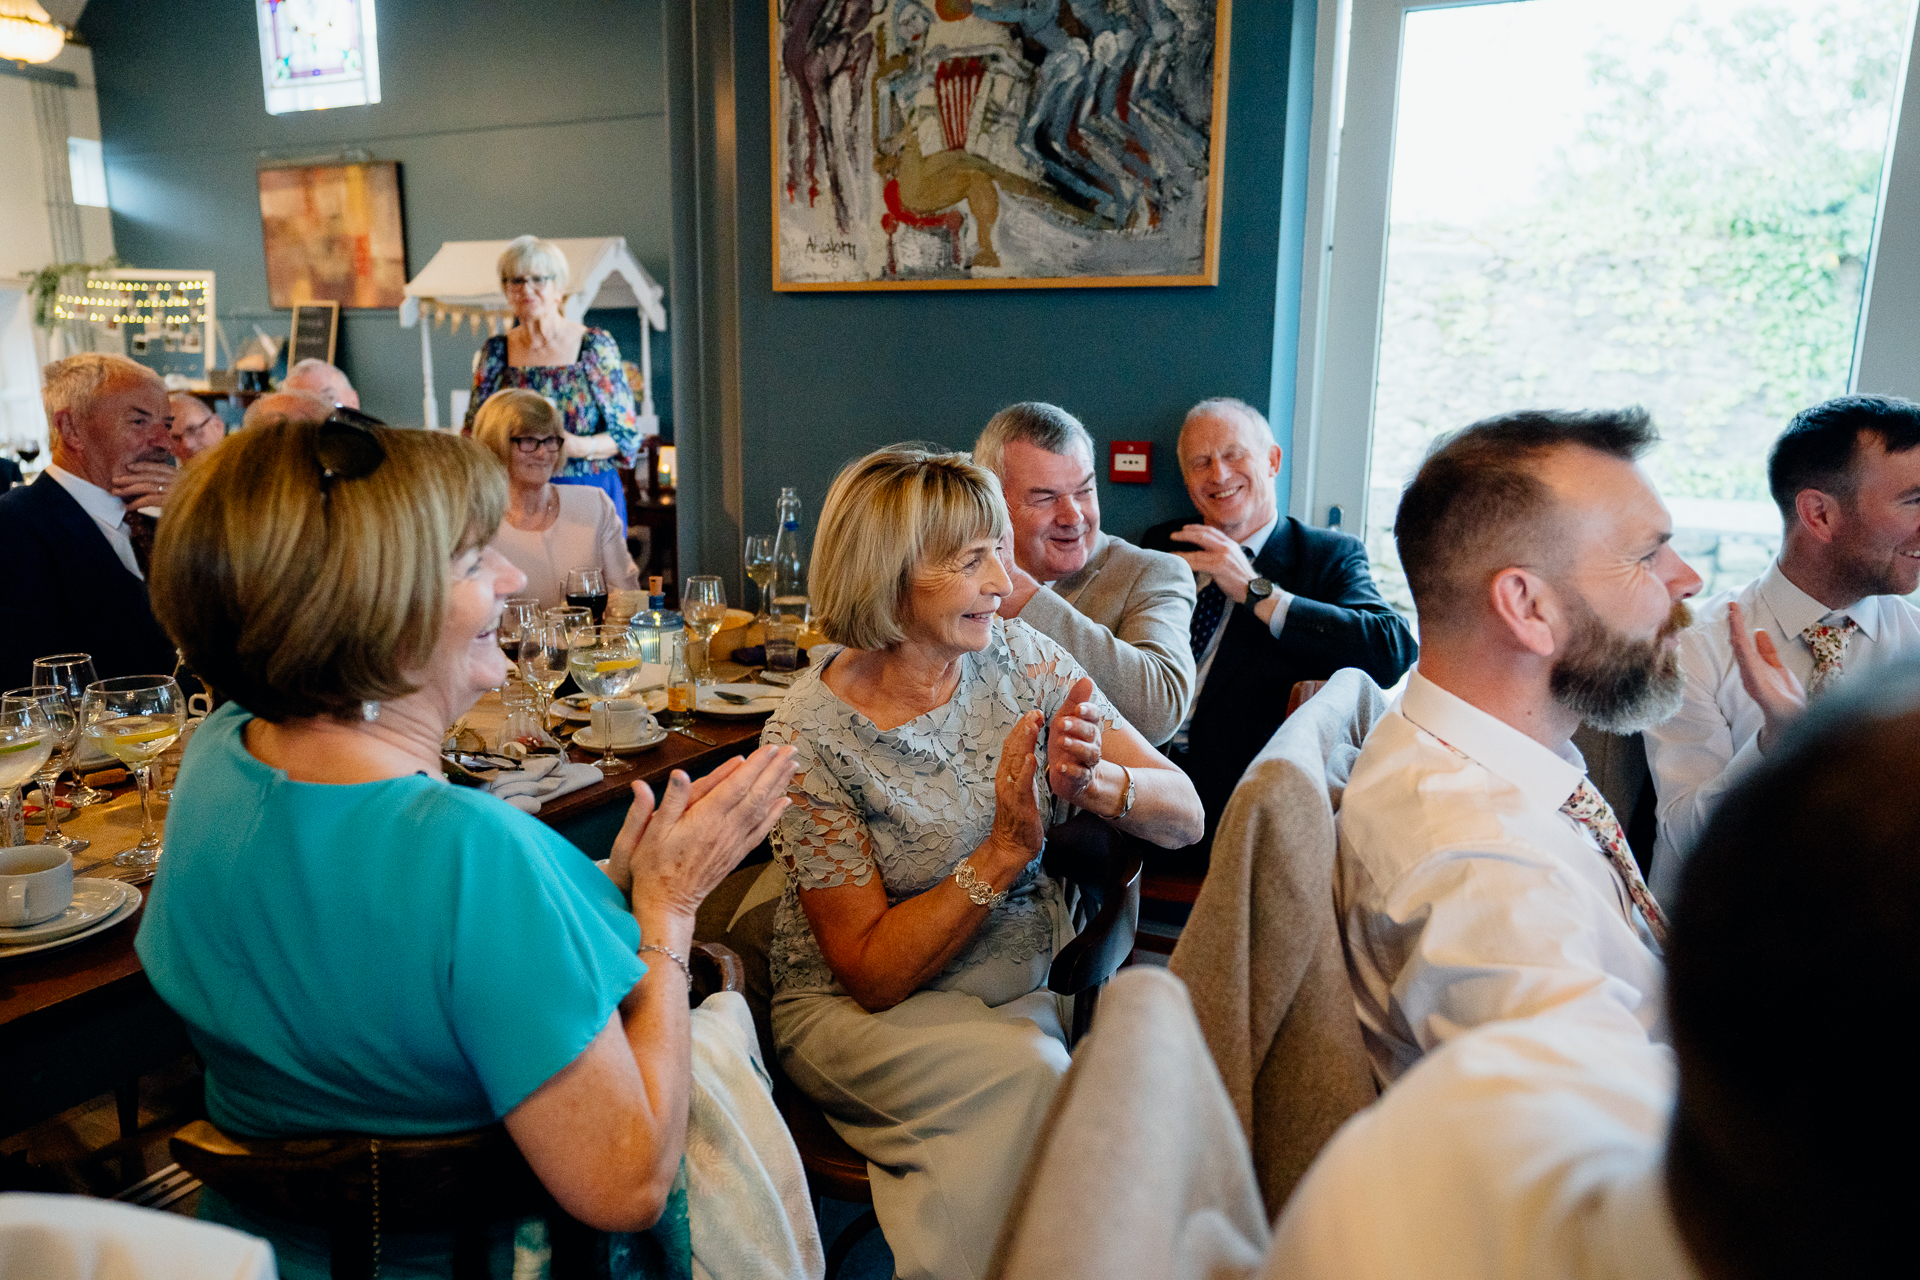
[353, 943]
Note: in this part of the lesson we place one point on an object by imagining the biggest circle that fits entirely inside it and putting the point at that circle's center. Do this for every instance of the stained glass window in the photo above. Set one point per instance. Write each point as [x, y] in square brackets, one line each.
[316, 54]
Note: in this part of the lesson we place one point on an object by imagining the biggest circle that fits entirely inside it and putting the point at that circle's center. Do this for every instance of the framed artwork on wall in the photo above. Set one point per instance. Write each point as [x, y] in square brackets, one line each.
[997, 144]
[334, 234]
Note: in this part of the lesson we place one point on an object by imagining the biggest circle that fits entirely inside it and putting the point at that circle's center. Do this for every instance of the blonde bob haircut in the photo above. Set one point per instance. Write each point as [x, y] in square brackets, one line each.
[889, 517]
[532, 256]
[517, 411]
[296, 601]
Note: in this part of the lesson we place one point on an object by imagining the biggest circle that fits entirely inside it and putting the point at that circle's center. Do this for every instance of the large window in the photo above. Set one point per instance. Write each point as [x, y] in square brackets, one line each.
[1573, 203]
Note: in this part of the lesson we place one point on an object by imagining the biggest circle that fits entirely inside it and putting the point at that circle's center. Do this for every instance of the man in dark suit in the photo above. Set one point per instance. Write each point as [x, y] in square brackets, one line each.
[1279, 602]
[75, 539]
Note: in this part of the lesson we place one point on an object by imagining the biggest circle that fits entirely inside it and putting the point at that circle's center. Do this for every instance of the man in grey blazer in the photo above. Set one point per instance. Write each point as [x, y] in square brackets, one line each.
[1121, 611]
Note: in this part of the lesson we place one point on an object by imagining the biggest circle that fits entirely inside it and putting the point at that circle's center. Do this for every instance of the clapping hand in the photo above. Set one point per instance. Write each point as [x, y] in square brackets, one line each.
[1017, 829]
[678, 853]
[1073, 745]
[1776, 690]
[1219, 556]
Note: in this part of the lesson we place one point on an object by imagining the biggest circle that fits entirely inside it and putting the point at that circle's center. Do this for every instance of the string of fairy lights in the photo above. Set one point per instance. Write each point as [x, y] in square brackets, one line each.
[166, 303]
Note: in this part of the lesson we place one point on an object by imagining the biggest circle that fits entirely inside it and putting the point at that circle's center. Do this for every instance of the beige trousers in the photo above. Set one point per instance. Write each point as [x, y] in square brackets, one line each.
[943, 1094]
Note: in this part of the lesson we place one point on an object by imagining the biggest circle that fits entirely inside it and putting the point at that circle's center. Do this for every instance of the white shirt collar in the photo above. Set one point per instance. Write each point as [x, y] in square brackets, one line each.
[1258, 542]
[94, 500]
[1546, 778]
[1795, 610]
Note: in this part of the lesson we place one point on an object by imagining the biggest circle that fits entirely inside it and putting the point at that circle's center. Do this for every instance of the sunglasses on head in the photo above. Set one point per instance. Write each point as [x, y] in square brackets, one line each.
[346, 447]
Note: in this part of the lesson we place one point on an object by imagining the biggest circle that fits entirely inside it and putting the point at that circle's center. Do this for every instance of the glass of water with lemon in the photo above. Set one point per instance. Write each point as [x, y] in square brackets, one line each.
[134, 719]
[604, 662]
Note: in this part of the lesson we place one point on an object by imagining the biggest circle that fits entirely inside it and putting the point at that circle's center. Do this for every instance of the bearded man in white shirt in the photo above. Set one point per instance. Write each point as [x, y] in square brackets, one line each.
[1846, 477]
[1480, 876]
[1558, 1147]
[80, 525]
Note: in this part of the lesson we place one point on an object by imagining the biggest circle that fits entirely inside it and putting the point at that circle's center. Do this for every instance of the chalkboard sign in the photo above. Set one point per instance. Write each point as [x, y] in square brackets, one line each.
[315, 327]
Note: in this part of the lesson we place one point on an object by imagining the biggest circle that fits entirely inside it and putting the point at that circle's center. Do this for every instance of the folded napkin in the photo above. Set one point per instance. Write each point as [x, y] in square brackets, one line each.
[543, 778]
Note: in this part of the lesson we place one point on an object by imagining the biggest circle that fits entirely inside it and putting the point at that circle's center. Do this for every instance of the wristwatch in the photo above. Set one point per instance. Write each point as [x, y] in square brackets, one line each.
[1257, 590]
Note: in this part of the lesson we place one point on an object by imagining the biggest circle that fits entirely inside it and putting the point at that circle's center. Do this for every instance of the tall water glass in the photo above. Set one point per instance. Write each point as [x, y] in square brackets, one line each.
[759, 559]
[604, 661]
[63, 713]
[26, 739]
[703, 603]
[72, 672]
[134, 719]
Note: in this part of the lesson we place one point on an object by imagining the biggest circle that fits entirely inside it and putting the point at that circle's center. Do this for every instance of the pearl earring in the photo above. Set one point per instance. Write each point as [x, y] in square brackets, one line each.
[369, 710]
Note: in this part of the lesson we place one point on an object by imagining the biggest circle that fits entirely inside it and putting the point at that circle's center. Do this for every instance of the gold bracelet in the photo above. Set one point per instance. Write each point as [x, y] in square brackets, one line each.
[1126, 801]
[978, 891]
[678, 959]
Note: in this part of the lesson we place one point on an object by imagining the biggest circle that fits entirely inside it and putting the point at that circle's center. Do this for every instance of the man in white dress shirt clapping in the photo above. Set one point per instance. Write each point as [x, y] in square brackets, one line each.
[1480, 877]
[1846, 477]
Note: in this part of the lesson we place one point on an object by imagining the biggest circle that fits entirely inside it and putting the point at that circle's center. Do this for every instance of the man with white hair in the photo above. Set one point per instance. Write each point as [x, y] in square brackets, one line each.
[76, 537]
[1279, 601]
[323, 380]
[1120, 611]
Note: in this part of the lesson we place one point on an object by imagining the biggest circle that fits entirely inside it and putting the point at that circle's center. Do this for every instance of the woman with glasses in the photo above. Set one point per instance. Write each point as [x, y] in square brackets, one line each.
[576, 367]
[549, 528]
[356, 945]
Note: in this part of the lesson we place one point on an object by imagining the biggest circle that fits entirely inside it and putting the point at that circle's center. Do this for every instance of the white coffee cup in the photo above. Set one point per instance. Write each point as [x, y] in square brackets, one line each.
[36, 884]
[630, 720]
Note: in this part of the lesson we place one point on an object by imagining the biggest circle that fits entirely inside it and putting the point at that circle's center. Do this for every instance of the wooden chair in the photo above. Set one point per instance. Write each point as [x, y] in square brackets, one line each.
[1106, 872]
[1180, 886]
[357, 1186]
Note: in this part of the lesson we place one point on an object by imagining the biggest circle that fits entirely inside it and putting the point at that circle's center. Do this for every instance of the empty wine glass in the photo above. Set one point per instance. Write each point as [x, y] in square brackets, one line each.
[703, 603]
[134, 719]
[63, 715]
[72, 672]
[759, 557]
[543, 661]
[26, 739]
[604, 662]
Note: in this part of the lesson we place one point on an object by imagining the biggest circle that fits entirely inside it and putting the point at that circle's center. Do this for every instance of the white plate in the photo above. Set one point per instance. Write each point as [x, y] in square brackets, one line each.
[574, 705]
[766, 699]
[587, 739]
[126, 908]
[93, 901]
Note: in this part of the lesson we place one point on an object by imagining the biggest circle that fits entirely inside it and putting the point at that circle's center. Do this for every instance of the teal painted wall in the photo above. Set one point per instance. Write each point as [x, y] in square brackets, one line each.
[826, 377]
[505, 118]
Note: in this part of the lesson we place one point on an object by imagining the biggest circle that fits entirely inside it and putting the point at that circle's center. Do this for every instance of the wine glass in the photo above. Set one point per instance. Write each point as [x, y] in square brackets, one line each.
[72, 672]
[604, 662]
[703, 603]
[62, 715]
[760, 570]
[134, 719]
[26, 739]
[517, 616]
[543, 659]
[28, 449]
[587, 589]
[574, 616]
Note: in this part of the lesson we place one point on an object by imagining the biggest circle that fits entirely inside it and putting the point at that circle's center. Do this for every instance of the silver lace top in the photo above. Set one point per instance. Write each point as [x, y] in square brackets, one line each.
[910, 802]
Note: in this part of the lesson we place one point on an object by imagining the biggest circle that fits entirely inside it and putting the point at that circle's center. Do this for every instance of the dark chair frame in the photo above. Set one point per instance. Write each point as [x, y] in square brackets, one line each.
[357, 1187]
[1105, 871]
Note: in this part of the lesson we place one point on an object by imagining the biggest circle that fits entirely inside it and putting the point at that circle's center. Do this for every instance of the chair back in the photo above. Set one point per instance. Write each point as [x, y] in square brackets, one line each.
[1261, 952]
[1140, 1168]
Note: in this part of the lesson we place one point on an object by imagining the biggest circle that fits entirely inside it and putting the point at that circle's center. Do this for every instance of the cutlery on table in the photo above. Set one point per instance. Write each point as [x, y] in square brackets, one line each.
[697, 737]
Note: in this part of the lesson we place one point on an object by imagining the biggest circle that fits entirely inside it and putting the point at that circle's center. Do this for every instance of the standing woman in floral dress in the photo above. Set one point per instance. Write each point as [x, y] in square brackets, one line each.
[576, 367]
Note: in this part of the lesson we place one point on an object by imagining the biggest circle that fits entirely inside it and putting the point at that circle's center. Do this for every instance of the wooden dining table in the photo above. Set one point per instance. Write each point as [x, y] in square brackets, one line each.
[82, 1020]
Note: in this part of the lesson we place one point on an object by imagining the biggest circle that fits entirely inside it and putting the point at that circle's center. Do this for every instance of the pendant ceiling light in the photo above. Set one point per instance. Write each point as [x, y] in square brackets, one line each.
[28, 34]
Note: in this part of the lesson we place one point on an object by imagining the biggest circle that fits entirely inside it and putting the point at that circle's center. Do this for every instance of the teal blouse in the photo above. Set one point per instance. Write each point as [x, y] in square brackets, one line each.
[392, 957]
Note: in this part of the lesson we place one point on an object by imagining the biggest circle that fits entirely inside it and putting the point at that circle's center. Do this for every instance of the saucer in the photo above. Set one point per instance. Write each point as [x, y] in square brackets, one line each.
[127, 907]
[649, 737]
[93, 901]
[766, 700]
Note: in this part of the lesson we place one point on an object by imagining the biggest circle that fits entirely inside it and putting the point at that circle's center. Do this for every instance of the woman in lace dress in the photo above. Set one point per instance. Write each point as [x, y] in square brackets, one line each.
[912, 944]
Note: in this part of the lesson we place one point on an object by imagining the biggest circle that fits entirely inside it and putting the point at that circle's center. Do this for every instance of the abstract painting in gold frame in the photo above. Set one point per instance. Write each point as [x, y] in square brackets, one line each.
[997, 144]
[333, 234]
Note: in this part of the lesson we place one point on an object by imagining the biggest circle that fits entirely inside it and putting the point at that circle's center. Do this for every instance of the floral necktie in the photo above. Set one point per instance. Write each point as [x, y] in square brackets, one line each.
[1590, 809]
[1829, 645]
